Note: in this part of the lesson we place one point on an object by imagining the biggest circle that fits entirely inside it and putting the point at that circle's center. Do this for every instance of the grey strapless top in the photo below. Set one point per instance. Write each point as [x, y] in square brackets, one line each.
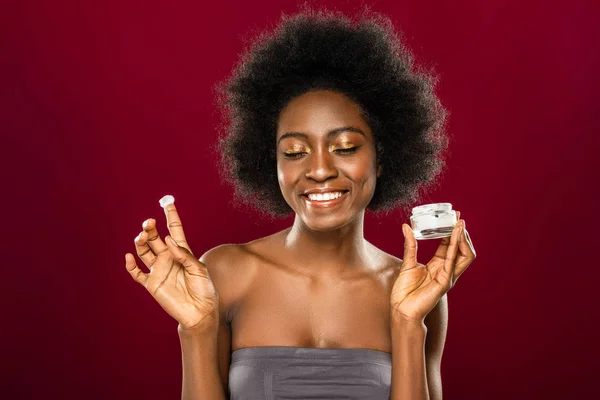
[284, 372]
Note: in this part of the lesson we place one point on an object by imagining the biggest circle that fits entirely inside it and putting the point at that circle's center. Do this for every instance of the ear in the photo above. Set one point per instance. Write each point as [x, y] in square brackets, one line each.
[379, 170]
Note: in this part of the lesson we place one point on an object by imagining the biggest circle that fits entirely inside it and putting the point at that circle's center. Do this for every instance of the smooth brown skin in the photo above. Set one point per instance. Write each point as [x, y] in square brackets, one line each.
[319, 283]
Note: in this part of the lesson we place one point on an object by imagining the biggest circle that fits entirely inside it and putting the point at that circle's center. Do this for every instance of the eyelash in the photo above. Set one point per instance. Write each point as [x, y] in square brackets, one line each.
[342, 151]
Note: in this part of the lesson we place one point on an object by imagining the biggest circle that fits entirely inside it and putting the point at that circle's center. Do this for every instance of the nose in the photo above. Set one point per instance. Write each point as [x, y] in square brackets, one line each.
[321, 166]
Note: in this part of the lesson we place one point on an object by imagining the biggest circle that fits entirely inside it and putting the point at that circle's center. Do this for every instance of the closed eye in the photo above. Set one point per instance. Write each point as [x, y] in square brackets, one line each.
[341, 151]
[347, 151]
[293, 155]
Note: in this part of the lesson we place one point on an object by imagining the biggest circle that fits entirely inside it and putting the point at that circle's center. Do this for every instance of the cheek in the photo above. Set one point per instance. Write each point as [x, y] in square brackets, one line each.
[363, 172]
[285, 179]
[280, 176]
[368, 185]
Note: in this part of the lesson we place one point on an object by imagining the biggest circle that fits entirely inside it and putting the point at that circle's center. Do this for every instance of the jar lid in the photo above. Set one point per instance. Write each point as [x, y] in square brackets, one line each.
[431, 208]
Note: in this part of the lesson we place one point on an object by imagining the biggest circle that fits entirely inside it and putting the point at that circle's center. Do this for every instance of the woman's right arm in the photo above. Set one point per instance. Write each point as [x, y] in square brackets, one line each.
[183, 287]
[201, 378]
[206, 355]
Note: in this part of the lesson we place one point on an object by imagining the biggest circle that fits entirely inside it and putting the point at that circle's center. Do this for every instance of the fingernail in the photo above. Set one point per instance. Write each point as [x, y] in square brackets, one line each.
[404, 229]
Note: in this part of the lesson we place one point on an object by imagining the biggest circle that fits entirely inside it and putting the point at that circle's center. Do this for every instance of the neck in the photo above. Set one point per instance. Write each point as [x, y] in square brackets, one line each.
[327, 252]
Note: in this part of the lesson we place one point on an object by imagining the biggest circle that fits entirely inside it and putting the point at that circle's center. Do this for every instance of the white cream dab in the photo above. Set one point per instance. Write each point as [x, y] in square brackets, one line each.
[166, 200]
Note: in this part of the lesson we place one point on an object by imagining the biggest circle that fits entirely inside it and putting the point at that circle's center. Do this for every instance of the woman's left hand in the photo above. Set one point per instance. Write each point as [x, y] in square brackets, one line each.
[418, 287]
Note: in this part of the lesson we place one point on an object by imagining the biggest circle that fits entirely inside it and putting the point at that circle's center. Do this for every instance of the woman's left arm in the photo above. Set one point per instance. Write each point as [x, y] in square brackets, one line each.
[437, 326]
[417, 354]
[419, 314]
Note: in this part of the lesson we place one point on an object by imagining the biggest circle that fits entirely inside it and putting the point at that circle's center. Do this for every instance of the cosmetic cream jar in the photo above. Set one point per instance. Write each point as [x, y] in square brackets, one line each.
[432, 221]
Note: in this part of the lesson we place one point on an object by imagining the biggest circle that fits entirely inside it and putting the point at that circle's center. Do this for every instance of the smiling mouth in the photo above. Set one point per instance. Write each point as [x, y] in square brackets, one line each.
[320, 200]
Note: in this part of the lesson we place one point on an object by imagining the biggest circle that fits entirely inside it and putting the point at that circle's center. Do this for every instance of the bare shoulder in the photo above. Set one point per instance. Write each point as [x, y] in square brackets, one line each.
[231, 268]
[222, 255]
[387, 265]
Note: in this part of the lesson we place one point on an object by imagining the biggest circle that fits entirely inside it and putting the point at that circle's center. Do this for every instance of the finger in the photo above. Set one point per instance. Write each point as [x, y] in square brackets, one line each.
[470, 254]
[135, 272]
[463, 243]
[465, 255]
[187, 259]
[439, 258]
[175, 227]
[144, 251]
[410, 248]
[153, 238]
[440, 254]
[470, 242]
[447, 275]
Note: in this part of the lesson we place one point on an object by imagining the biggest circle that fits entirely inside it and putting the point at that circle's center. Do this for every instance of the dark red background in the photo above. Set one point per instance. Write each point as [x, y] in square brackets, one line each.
[107, 106]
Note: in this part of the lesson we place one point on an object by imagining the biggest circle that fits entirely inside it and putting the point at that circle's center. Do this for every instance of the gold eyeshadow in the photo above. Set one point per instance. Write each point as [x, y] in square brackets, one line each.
[333, 147]
[297, 149]
[344, 145]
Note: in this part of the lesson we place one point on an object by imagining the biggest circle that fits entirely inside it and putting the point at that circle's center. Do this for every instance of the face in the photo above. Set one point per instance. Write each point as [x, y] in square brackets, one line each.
[324, 145]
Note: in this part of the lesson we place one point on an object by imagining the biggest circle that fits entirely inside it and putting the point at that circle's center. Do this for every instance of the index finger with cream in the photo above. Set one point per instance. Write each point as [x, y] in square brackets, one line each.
[173, 221]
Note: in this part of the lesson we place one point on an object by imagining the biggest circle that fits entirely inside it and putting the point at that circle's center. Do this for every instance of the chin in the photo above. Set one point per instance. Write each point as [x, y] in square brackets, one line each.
[324, 223]
[322, 226]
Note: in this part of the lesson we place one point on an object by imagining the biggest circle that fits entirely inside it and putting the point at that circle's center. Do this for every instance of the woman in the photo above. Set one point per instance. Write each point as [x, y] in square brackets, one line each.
[325, 118]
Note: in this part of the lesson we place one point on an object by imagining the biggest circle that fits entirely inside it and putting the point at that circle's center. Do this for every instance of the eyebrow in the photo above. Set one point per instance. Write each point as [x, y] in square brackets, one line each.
[330, 133]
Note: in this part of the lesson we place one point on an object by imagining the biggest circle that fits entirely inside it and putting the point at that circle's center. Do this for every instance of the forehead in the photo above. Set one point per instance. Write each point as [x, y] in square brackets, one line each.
[317, 112]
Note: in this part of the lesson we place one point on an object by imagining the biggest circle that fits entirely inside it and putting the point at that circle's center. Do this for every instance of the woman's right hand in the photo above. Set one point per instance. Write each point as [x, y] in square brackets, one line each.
[177, 280]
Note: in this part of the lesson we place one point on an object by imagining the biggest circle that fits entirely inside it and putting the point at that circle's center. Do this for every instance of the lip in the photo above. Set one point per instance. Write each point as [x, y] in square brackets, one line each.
[328, 203]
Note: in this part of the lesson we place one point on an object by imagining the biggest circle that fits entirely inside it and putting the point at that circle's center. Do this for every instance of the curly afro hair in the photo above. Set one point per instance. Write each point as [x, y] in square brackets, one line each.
[363, 59]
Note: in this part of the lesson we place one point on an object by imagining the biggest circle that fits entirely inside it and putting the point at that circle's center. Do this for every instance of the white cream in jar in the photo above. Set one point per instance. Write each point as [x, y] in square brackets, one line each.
[433, 221]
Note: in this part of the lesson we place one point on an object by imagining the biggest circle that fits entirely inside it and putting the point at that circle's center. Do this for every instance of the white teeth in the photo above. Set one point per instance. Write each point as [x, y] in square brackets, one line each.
[324, 196]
